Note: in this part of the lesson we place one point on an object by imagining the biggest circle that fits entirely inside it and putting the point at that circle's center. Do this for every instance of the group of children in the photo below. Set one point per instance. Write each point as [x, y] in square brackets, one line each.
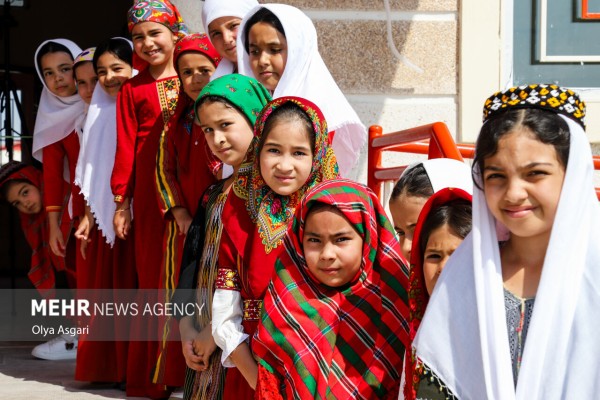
[216, 165]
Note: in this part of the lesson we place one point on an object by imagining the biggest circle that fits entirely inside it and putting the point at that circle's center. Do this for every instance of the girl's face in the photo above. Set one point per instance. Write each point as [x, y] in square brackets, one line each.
[522, 184]
[227, 132]
[441, 244]
[223, 35]
[57, 70]
[112, 72]
[86, 79]
[332, 247]
[286, 157]
[268, 54]
[153, 42]
[405, 210]
[195, 70]
[25, 197]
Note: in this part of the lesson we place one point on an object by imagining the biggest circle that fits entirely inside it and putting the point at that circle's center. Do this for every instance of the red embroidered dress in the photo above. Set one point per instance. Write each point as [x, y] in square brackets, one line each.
[143, 106]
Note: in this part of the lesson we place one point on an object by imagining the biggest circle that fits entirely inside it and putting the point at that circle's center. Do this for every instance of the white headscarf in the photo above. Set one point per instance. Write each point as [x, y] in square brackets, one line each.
[97, 157]
[307, 76]
[57, 116]
[463, 337]
[213, 9]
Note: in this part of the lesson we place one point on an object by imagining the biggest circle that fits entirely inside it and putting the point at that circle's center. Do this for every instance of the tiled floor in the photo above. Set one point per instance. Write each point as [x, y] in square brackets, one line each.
[23, 377]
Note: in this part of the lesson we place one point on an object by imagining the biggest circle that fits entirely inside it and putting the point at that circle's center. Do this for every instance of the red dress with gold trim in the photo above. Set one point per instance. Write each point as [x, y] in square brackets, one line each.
[143, 106]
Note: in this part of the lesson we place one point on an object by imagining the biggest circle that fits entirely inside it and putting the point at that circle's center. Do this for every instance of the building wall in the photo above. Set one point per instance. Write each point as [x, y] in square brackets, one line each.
[384, 90]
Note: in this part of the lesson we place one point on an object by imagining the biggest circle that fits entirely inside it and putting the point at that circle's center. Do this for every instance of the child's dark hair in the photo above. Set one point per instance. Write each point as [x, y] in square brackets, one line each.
[456, 214]
[118, 47]
[7, 185]
[262, 15]
[414, 182]
[545, 126]
[218, 99]
[51, 47]
[289, 111]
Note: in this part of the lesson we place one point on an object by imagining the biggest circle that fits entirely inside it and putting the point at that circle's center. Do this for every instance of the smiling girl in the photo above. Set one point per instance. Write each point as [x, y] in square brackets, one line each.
[278, 46]
[279, 168]
[524, 311]
[144, 104]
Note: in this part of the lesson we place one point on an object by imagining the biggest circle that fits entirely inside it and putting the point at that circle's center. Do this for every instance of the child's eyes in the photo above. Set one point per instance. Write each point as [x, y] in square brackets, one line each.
[273, 150]
[214, 34]
[186, 72]
[399, 231]
[312, 240]
[66, 69]
[300, 153]
[537, 173]
[432, 257]
[253, 52]
[493, 176]
[342, 239]
[207, 130]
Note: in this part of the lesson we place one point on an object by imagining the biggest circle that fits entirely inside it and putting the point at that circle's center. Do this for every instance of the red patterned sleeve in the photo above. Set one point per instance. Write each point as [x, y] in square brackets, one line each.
[53, 166]
[122, 178]
[268, 385]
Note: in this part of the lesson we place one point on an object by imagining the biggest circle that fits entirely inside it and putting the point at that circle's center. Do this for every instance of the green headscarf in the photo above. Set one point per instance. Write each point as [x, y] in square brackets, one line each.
[247, 94]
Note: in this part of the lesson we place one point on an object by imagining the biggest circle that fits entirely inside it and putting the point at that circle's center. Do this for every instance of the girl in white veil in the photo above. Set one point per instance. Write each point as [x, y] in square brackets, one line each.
[534, 176]
[304, 75]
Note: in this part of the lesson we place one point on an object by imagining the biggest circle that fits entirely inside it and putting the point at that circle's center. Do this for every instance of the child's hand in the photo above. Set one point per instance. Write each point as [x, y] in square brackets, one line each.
[204, 345]
[57, 242]
[86, 224]
[183, 219]
[122, 222]
[188, 333]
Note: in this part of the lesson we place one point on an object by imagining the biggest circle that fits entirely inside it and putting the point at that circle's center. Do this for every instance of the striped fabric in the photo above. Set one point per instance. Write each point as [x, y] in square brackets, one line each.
[321, 342]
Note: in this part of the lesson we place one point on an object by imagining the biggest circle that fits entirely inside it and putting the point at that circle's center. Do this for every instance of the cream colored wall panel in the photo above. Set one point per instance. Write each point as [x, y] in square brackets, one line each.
[357, 55]
[404, 5]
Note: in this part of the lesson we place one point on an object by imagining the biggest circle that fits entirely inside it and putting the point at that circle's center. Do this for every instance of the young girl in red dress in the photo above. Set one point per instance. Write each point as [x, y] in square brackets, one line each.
[21, 185]
[334, 316]
[110, 261]
[185, 166]
[56, 138]
[144, 104]
[289, 154]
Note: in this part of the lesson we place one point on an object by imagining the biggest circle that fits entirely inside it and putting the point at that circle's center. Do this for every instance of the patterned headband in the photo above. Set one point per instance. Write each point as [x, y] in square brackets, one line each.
[547, 97]
[86, 55]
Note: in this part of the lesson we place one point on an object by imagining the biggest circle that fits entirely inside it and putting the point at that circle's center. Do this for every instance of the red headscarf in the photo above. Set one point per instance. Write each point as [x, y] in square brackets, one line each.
[184, 113]
[322, 342]
[35, 228]
[418, 295]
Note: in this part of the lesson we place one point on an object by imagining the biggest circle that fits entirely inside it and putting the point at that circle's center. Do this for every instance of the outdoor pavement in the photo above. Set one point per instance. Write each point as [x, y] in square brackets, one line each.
[23, 377]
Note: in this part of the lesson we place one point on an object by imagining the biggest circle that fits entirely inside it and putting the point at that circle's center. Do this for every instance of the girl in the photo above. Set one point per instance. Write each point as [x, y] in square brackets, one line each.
[226, 116]
[288, 155]
[57, 129]
[416, 184]
[110, 261]
[443, 223]
[144, 105]
[56, 139]
[334, 319]
[221, 20]
[85, 76]
[517, 319]
[21, 185]
[185, 167]
[278, 46]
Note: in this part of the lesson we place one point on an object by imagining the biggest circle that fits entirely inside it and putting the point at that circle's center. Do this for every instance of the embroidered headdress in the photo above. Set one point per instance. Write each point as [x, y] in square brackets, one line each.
[548, 97]
[268, 210]
[161, 11]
